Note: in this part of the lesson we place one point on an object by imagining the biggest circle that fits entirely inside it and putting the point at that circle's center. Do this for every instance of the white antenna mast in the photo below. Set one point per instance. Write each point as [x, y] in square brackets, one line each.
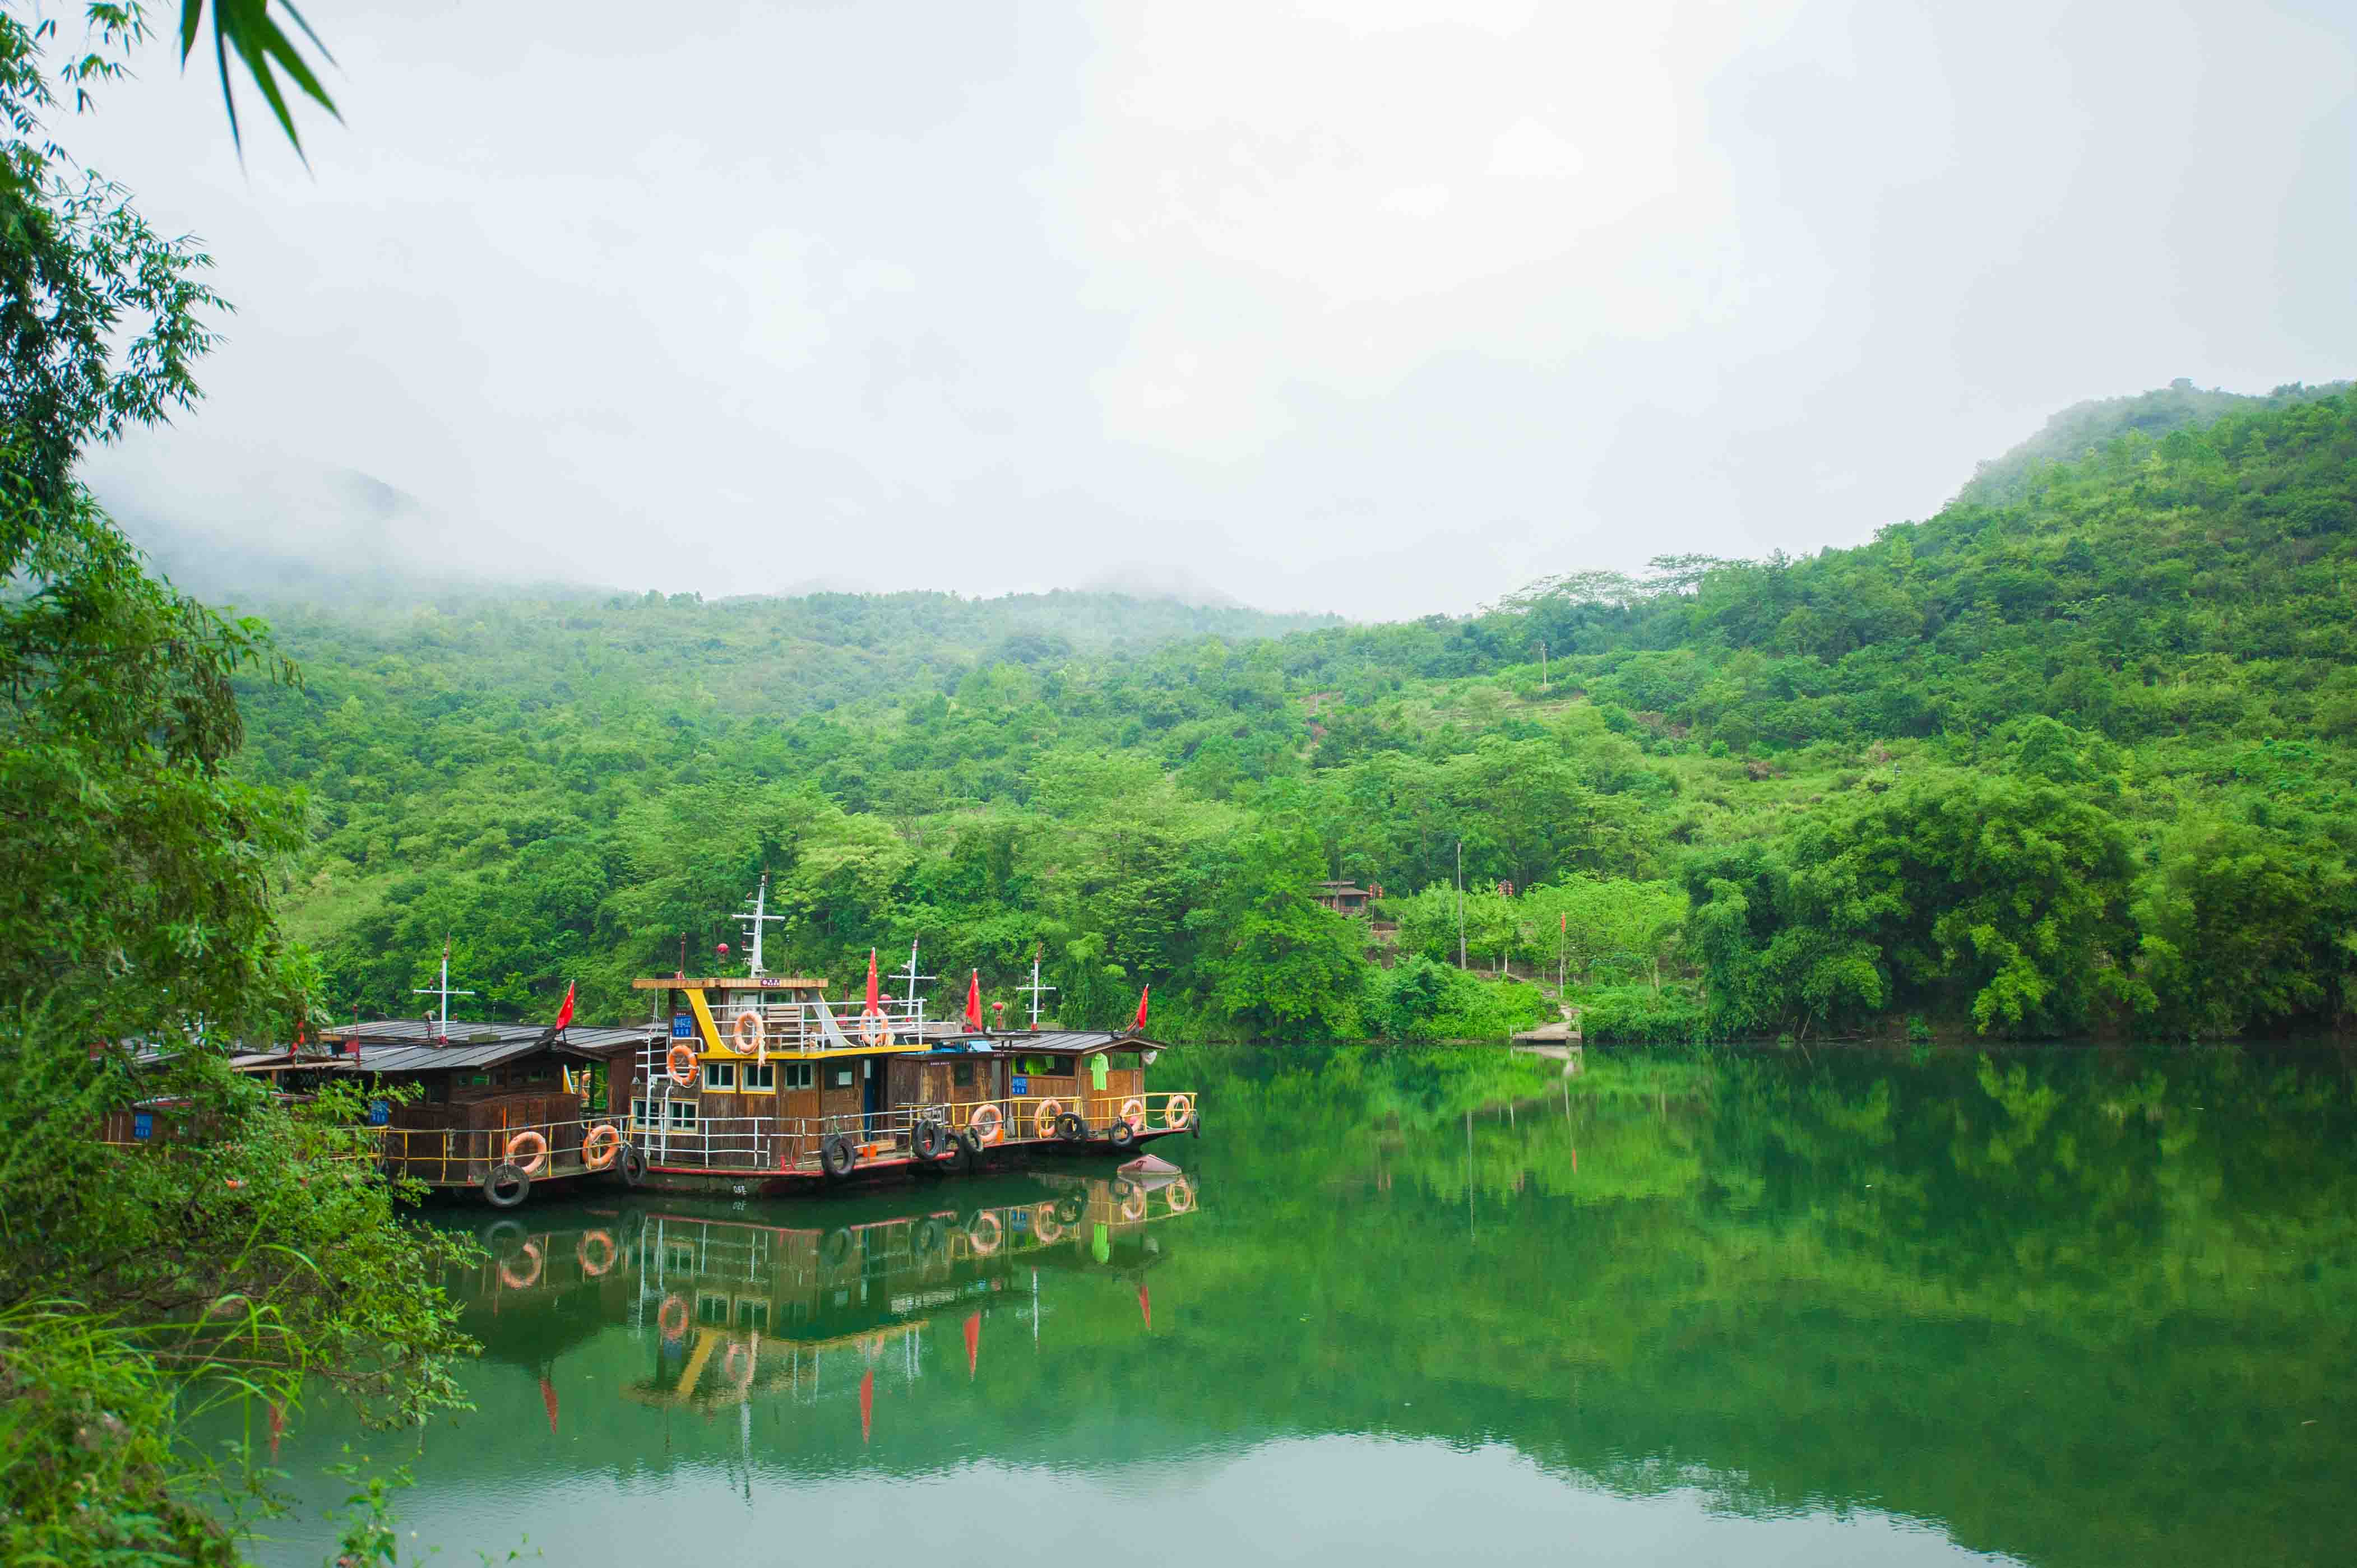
[1036, 989]
[443, 989]
[758, 916]
[910, 976]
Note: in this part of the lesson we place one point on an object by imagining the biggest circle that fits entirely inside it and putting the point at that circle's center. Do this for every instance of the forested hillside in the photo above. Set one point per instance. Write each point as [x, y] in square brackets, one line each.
[2073, 755]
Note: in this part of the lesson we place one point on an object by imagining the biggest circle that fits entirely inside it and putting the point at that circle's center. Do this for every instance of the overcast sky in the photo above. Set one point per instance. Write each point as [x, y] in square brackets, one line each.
[1383, 308]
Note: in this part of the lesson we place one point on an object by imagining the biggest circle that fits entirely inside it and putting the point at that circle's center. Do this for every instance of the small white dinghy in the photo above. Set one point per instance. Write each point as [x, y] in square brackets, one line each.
[1151, 1170]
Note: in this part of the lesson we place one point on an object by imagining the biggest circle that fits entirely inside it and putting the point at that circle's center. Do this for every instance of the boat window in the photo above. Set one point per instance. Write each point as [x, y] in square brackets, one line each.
[683, 1112]
[711, 1308]
[761, 1078]
[638, 1117]
[1060, 1066]
[719, 1075]
[799, 1075]
[843, 1078]
[753, 1314]
[961, 1074]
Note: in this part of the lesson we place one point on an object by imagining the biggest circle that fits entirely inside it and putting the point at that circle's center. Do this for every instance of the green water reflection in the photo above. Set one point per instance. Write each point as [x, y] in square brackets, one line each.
[2066, 1307]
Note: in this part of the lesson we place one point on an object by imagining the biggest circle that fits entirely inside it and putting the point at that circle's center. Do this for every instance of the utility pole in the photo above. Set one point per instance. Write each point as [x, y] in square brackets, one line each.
[1542, 678]
[1460, 903]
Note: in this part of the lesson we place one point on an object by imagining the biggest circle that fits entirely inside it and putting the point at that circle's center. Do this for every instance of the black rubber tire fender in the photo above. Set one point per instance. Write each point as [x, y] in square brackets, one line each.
[931, 1235]
[1069, 1128]
[506, 1187]
[835, 1249]
[1069, 1210]
[632, 1163]
[1122, 1134]
[928, 1139]
[837, 1155]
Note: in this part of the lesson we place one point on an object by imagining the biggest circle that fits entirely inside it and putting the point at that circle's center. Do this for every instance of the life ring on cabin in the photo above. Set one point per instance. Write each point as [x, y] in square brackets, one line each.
[1133, 1204]
[1181, 1194]
[600, 1145]
[507, 1270]
[1177, 1111]
[986, 1124]
[984, 1233]
[673, 1324]
[1043, 1121]
[755, 1038]
[1044, 1226]
[603, 1260]
[682, 1062]
[729, 1365]
[1069, 1128]
[875, 1030]
[1133, 1110]
[519, 1144]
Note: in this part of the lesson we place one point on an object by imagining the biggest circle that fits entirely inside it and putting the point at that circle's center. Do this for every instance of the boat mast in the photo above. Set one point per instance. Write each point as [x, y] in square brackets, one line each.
[442, 990]
[916, 1009]
[754, 921]
[1036, 989]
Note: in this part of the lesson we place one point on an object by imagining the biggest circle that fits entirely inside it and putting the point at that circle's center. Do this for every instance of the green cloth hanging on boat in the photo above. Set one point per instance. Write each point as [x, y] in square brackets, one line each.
[1097, 1073]
[1100, 1246]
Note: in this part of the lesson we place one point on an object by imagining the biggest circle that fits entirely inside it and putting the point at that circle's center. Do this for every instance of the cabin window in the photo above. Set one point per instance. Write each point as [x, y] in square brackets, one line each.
[799, 1075]
[719, 1075]
[1060, 1066]
[683, 1113]
[753, 1314]
[638, 1117]
[843, 1078]
[712, 1308]
[761, 1078]
[961, 1074]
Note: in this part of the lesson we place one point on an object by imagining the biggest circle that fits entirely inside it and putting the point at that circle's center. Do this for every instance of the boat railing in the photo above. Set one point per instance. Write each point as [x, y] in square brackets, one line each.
[792, 1028]
[465, 1156]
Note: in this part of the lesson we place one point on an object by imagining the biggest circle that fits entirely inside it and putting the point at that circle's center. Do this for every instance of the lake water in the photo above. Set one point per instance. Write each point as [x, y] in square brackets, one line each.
[2069, 1306]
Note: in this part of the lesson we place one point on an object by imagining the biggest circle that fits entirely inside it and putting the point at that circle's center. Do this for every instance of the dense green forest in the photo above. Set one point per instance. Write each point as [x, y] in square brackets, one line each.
[2068, 757]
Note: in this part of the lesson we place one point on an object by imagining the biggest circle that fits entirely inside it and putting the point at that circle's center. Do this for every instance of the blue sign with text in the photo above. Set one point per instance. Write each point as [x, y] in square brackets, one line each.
[380, 1113]
[1019, 1085]
[682, 1027]
[143, 1125]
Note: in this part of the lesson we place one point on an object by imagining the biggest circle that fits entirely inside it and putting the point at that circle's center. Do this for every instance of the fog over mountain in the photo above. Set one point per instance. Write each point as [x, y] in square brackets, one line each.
[1373, 307]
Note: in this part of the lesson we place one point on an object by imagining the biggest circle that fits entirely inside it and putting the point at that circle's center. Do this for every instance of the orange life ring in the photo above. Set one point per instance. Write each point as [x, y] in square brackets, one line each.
[985, 1246]
[755, 1039]
[604, 1260]
[991, 1130]
[1182, 1196]
[1134, 1205]
[672, 1328]
[1044, 1226]
[538, 1145]
[600, 1145]
[682, 1074]
[1133, 1110]
[1043, 1121]
[729, 1365]
[1177, 1110]
[507, 1270]
[875, 1030]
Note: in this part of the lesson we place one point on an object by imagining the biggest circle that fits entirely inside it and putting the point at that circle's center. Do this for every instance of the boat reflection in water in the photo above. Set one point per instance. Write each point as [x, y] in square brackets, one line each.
[733, 1310]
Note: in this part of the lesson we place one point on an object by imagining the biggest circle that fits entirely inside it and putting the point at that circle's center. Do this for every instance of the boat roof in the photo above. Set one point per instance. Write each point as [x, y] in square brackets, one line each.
[1069, 1043]
[726, 982]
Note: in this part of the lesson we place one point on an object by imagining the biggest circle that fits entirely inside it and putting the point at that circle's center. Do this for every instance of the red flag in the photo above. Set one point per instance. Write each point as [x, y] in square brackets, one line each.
[974, 1000]
[874, 997]
[1146, 1304]
[548, 1398]
[1140, 1022]
[564, 1013]
[867, 1404]
[973, 1343]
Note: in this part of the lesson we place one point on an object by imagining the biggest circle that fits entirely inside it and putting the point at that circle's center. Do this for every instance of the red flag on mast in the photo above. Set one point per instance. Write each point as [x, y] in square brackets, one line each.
[973, 1343]
[548, 1400]
[1140, 1021]
[867, 1404]
[875, 998]
[974, 1000]
[564, 1016]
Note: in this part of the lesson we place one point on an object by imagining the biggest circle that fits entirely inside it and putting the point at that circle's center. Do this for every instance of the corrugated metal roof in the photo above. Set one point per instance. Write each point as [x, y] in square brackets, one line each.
[1069, 1042]
[425, 1032]
[430, 1058]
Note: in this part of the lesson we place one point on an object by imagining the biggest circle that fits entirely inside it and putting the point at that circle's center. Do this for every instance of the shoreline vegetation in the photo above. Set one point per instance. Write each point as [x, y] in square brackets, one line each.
[2073, 757]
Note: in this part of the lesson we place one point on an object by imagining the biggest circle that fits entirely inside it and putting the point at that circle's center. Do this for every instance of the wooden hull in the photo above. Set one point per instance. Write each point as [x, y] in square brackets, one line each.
[699, 1180]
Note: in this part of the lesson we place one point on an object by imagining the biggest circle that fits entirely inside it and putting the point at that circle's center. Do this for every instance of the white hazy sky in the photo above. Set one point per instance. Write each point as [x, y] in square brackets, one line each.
[1356, 304]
